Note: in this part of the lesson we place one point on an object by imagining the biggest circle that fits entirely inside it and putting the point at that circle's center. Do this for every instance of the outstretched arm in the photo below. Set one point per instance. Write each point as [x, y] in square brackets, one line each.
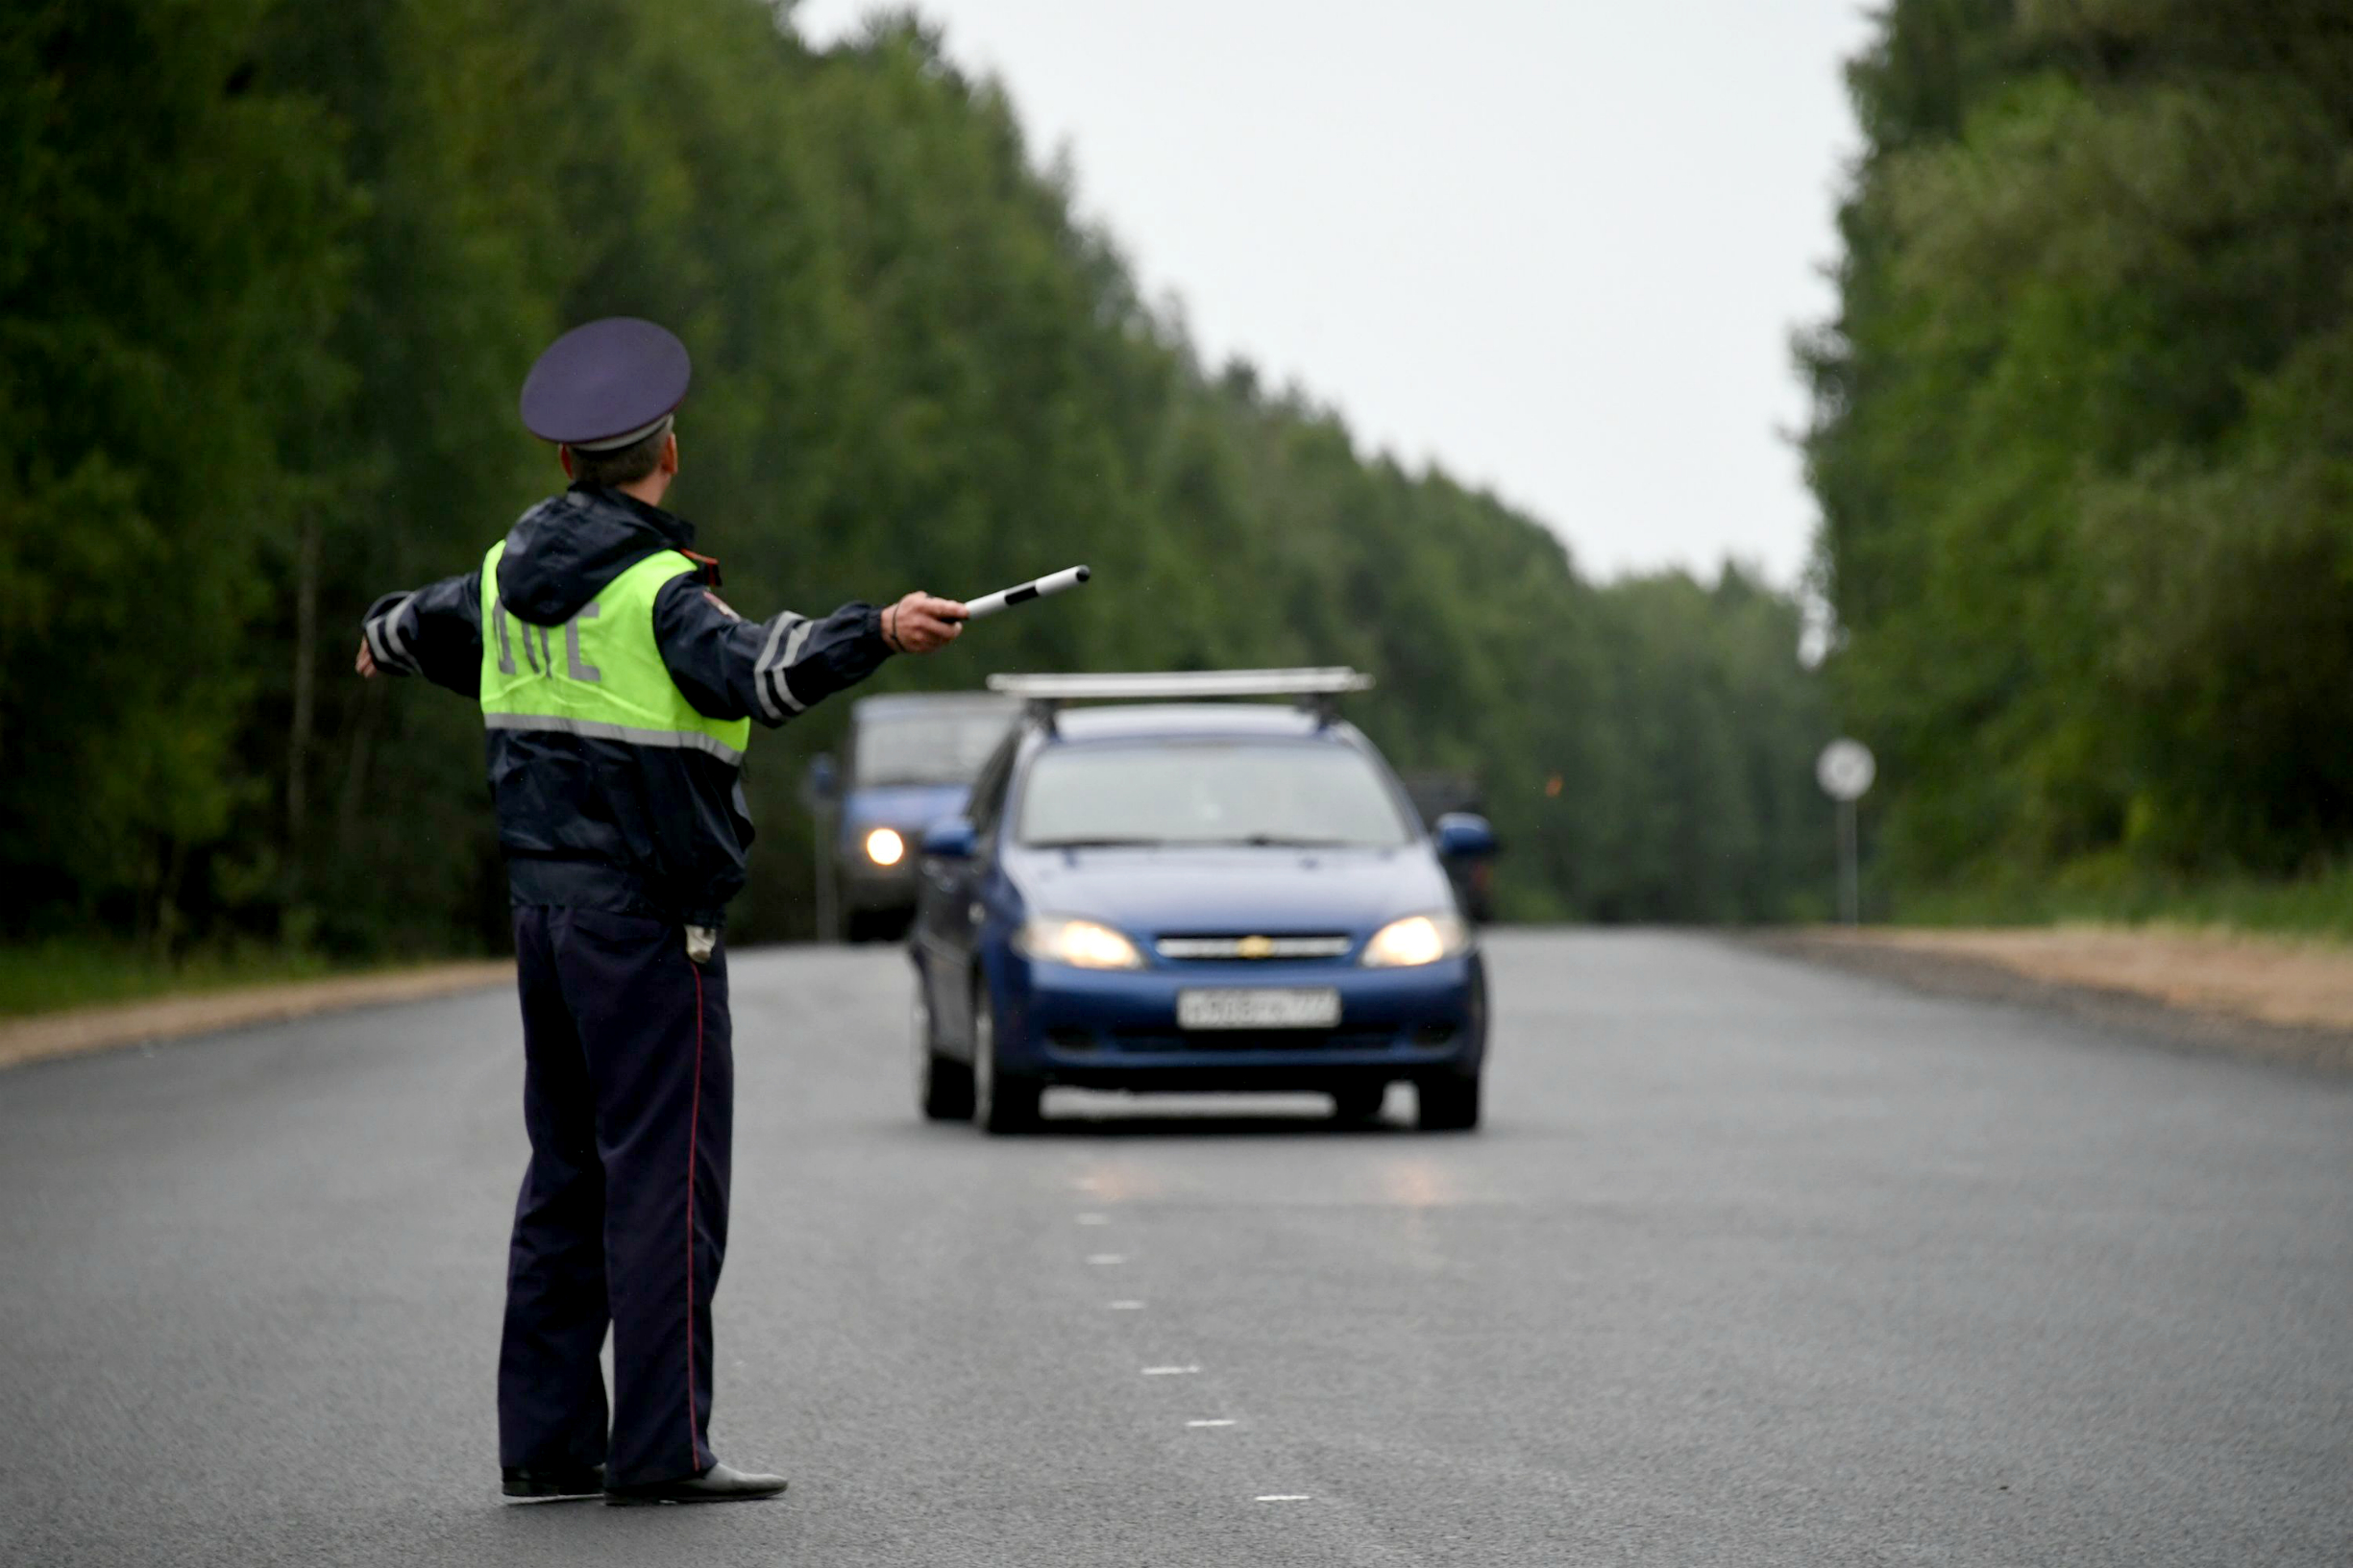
[435, 633]
[773, 670]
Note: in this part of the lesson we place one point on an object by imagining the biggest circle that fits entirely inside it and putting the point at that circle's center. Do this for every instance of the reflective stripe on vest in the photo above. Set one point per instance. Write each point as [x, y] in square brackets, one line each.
[607, 681]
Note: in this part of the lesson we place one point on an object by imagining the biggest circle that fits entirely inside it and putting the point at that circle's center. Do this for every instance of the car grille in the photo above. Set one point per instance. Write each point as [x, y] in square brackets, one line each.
[1252, 948]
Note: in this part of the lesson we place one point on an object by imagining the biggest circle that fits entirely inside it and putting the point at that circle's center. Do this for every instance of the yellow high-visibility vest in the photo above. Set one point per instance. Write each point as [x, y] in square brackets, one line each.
[598, 675]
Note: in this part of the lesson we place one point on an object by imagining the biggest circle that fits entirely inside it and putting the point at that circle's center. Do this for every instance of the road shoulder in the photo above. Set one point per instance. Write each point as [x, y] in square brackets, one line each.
[2284, 1001]
[78, 1031]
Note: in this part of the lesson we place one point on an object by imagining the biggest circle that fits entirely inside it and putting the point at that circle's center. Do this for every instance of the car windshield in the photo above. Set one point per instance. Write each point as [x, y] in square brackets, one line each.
[936, 746]
[1196, 792]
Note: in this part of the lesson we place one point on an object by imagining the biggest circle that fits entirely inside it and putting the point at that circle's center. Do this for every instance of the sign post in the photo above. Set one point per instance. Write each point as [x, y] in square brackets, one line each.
[1845, 770]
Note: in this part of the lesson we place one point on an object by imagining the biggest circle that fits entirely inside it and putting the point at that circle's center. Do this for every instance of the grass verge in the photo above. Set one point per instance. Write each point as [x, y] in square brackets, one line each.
[51, 976]
[2317, 908]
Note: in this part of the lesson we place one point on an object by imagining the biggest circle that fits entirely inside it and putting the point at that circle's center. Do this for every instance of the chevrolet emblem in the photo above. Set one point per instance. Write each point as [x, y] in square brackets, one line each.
[1255, 947]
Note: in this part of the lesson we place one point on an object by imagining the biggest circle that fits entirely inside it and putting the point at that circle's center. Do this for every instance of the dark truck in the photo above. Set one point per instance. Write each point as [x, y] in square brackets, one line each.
[908, 762]
[1436, 793]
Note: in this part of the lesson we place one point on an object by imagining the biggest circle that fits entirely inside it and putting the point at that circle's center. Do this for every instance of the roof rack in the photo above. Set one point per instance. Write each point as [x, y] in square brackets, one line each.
[1317, 688]
[1180, 683]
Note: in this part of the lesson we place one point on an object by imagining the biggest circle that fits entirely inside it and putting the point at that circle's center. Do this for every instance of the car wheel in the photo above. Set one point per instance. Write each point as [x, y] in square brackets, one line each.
[943, 1085]
[1447, 1104]
[1359, 1103]
[1001, 1102]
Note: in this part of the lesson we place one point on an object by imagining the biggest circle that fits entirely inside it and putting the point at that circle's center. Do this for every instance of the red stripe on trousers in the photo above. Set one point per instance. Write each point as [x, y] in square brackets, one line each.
[694, 1125]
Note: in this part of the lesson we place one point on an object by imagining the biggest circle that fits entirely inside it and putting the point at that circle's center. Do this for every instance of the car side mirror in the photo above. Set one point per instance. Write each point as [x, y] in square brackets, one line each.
[950, 838]
[822, 784]
[1462, 836]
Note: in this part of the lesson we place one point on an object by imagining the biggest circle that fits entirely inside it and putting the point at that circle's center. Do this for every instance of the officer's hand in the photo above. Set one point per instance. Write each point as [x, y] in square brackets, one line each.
[920, 623]
[366, 664]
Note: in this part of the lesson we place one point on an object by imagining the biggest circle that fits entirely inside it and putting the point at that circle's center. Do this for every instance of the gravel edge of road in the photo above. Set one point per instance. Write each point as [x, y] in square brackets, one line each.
[1973, 978]
[82, 1030]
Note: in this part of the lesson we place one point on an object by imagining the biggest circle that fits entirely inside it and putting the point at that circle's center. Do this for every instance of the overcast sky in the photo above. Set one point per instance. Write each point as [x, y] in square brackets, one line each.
[1554, 246]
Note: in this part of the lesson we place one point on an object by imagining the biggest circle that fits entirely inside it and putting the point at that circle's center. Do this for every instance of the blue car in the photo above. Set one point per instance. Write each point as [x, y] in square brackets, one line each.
[1191, 897]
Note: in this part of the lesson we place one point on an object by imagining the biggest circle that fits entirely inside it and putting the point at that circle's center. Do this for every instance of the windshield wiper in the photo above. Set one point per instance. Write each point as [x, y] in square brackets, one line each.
[1254, 841]
[1284, 840]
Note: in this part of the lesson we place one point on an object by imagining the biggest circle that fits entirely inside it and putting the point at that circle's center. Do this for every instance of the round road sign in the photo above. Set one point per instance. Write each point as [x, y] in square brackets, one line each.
[1844, 769]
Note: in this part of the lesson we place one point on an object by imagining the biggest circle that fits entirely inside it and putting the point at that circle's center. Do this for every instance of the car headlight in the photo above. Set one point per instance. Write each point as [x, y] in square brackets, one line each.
[1415, 940]
[1083, 944]
[885, 847]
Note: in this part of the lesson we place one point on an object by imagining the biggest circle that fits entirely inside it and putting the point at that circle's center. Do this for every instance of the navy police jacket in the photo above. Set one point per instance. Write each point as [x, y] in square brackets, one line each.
[594, 823]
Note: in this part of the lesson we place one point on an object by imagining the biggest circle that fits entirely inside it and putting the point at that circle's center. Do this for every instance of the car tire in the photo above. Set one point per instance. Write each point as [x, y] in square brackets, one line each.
[1001, 1103]
[943, 1085]
[1447, 1104]
[1359, 1103]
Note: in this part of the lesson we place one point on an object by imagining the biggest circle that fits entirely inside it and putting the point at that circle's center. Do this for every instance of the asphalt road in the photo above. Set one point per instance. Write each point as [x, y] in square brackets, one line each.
[1755, 1264]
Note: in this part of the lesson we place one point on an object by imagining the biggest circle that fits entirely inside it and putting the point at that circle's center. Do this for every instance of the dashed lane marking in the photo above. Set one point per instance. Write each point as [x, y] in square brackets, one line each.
[1222, 1422]
[1125, 1305]
[1283, 1497]
[1169, 1371]
[1102, 1258]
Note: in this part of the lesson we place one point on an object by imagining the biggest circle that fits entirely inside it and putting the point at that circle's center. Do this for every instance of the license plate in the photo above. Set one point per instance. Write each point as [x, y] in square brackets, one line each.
[1264, 1007]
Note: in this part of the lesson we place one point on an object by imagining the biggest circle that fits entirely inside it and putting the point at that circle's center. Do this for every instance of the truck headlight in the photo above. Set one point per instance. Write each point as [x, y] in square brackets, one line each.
[1415, 940]
[885, 847]
[1083, 944]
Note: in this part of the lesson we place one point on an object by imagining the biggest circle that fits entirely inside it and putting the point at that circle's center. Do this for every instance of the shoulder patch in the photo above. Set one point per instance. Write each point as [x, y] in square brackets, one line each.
[721, 605]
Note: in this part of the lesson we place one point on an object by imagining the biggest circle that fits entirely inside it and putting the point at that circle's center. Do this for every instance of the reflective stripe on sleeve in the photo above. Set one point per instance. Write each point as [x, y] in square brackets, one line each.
[792, 657]
[589, 729]
[768, 671]
[385, 643]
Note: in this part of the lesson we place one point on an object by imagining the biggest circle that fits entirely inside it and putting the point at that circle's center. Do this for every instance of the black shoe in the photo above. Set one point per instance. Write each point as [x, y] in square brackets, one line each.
[716, 1484]
[579, 1480]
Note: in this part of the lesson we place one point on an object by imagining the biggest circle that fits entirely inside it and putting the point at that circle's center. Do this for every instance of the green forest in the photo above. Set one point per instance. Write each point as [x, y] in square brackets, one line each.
[276, 272]
[2083, 443]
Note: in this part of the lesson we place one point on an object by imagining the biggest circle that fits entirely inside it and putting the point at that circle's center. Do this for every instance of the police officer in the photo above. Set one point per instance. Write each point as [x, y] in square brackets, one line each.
[618, 689]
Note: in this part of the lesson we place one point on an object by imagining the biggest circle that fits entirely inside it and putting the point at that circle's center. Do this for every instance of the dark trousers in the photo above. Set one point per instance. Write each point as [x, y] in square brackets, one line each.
[628, 1095]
